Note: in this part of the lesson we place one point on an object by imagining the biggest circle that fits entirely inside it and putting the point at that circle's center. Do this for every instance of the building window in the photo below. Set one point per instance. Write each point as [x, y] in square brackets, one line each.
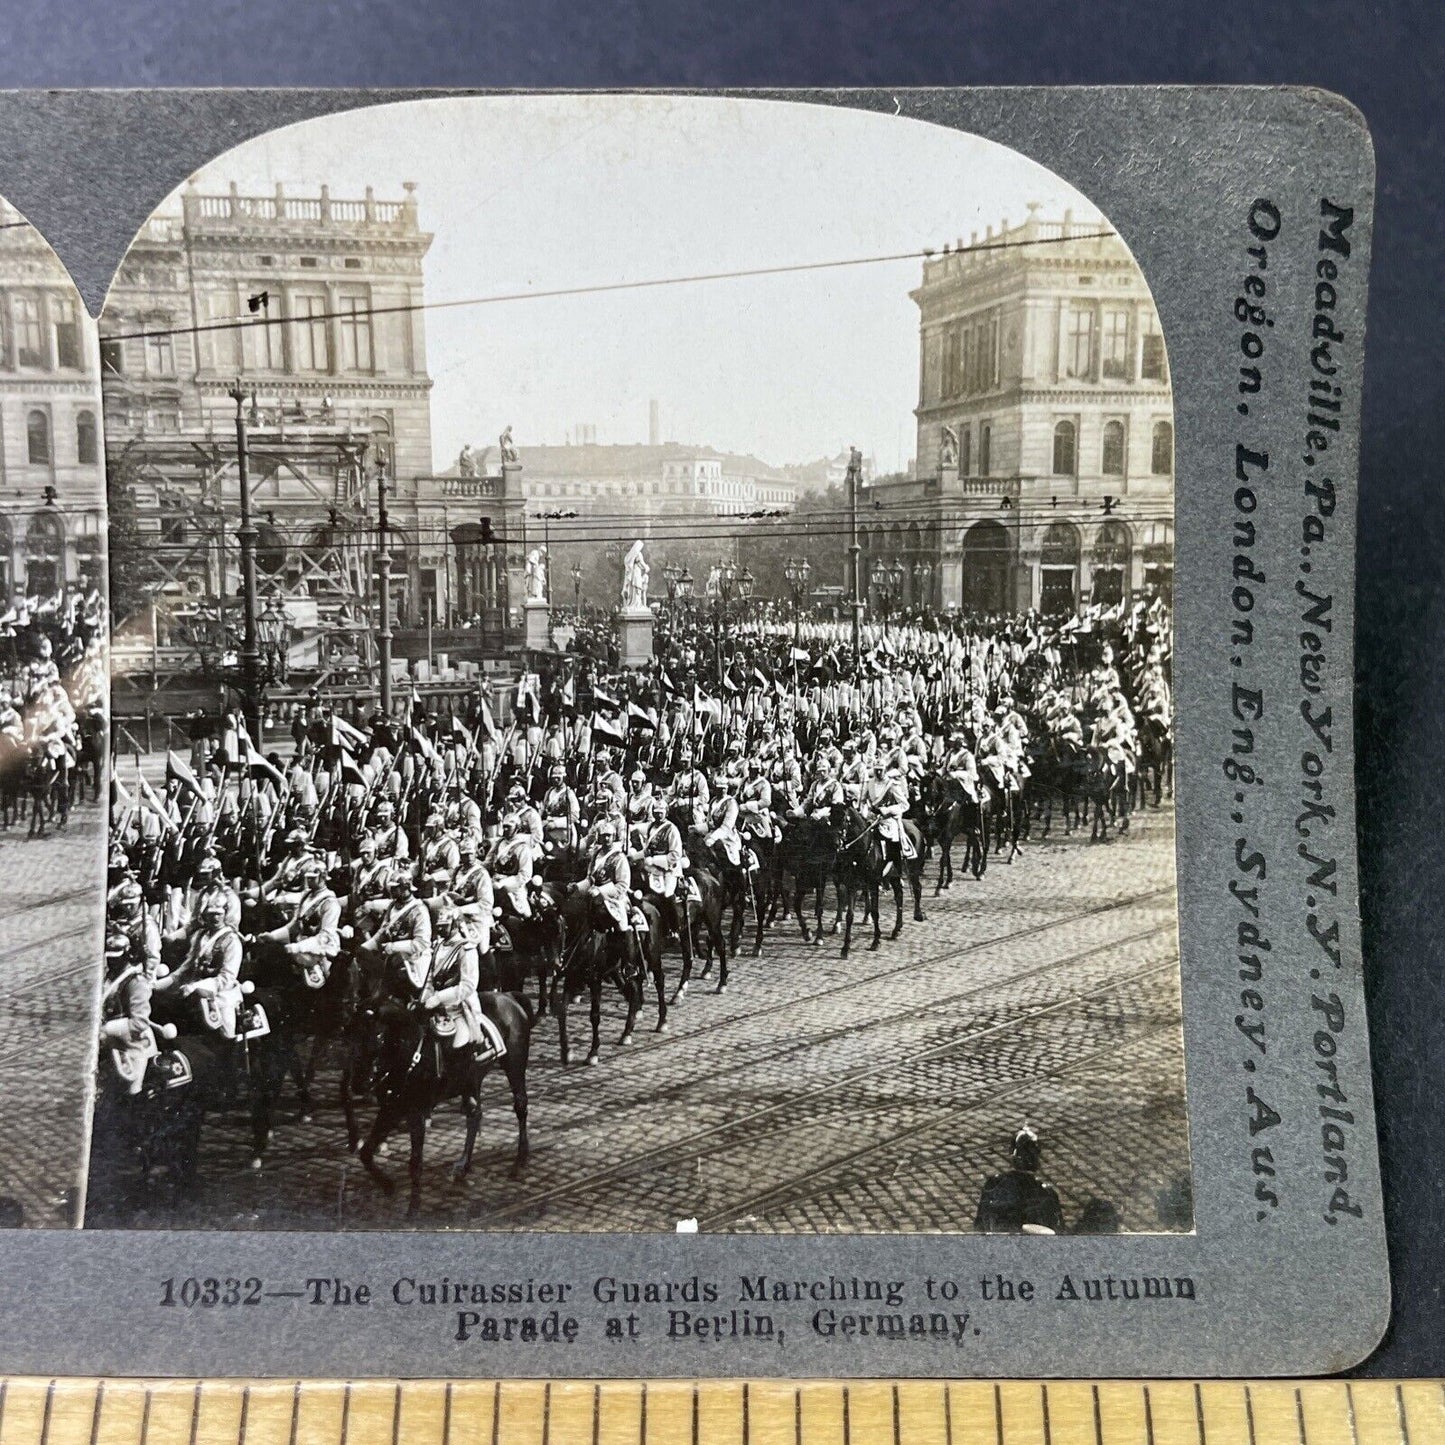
[309, 333]
[162, 419]
[1162, 461]
[1079, 343]
[160, 354]
[261, 345]
[67, 334]
[29, 338]
[1065, 449]
[112, 358]
[1113, 463]
[37, 436]
[309, 262]
[355, 333]
[87, 450]
[1115, 365]
[965, 453]
[1153, 365]
[985, 446]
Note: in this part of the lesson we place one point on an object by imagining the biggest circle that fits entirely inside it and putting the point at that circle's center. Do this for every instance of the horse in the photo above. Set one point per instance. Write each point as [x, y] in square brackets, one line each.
[707, 936]
[947, 812]
[91, 759]
[1156, 761]
[41, 777]
[601, 951]
[1107, 789]
[537, 942]
[862, 860]
[13, 758]
[805, 853]
[425, 1072]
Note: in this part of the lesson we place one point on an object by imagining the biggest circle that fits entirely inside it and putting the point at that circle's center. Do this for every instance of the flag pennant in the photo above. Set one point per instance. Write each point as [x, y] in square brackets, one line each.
[343, 735]
[178, 768]
[149, 798]
[641, 717]
[605, 699]
[608, 729]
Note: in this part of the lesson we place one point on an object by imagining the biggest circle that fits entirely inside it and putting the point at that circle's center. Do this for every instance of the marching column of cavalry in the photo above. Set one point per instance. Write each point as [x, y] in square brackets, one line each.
[54, 686]
[403, 900]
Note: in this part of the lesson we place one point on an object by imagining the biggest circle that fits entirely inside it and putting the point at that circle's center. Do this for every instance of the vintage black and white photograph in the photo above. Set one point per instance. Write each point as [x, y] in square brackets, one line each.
[53, 685]
[641, 698]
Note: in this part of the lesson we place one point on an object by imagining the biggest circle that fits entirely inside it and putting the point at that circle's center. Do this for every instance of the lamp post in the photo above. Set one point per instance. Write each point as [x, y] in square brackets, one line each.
[855, 549]
[275, 627]
[888, 583]
[796, 572]
[246, 535]
[923, 584]
[727, 578]
[577, 590]
[383, 588]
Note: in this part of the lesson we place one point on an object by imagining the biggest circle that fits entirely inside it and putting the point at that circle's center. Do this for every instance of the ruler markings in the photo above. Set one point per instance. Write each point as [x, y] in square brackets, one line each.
[391, 1412]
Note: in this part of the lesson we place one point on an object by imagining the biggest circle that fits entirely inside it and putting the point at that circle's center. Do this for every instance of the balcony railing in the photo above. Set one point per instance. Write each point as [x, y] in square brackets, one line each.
[310, 210]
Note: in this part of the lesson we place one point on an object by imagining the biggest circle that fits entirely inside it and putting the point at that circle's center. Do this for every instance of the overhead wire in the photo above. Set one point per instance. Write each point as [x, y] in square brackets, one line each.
[245, 323]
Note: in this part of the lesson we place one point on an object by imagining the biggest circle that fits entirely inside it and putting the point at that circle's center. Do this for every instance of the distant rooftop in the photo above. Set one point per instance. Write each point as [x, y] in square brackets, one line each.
[212, 210]
[622, 459]
[1093, 237]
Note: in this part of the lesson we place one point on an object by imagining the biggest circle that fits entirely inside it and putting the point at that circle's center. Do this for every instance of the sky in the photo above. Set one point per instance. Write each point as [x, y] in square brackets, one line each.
[534, 193]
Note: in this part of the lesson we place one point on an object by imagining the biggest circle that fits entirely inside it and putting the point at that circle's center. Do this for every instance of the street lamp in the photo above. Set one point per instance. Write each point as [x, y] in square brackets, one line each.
[887, 581]
[796, 572]
[727, 577]
[274, 627]
[922, 584]
[577, 589]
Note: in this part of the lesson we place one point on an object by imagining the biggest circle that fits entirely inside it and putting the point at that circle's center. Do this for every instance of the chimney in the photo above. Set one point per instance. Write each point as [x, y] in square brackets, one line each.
[654, 423]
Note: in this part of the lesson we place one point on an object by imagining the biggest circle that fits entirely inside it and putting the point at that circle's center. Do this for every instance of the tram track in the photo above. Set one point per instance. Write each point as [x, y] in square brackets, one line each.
[796, 1188]
[684, 1153]
[564, 1087]
[801, 1043]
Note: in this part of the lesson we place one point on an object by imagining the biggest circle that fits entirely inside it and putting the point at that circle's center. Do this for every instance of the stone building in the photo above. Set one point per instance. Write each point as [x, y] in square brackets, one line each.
[1045, 424]
[314, 304]
[52, 480]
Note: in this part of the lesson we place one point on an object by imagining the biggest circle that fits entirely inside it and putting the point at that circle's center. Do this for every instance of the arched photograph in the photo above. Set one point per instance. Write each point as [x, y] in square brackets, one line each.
[642, 682]
[53, 684]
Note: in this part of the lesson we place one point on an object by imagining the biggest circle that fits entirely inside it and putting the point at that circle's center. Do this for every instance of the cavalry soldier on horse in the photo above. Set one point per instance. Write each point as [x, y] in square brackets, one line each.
[512, 864]
[390, 837]
[211, 972]
[884, 801]
[449, 990]
[663, 862]
[609, 876]
[311, 937]
[472, 892]
[690, 791]
[439, 856]
[127, 918]
[370, 875]
[561, 813]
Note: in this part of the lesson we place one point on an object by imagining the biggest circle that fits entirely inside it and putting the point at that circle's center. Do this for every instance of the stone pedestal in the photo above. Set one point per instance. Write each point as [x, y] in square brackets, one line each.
[634, 626]
[539, 625]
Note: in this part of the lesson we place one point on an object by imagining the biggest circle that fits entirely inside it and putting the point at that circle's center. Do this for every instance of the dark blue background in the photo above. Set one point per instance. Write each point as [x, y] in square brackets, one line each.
[1385, 58]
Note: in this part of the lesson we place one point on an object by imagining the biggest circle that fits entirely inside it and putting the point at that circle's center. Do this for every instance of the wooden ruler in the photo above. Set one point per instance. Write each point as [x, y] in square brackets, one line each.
[717, 1412]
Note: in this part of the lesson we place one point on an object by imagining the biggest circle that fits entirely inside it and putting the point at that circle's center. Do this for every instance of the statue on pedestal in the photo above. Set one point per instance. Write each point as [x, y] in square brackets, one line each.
[506, 446]
[537, 575]
[467, 462]
[635, 572]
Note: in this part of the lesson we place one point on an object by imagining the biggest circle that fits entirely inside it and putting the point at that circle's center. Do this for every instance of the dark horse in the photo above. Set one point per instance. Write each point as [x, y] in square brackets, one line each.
[948, 811]
[600, 951]
[420, 1072]
[862, 861]
[806, 855]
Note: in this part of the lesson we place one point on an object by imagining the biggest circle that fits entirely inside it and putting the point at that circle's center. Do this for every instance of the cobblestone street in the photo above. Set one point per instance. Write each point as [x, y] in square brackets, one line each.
[50, 965]
[872, 1093]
